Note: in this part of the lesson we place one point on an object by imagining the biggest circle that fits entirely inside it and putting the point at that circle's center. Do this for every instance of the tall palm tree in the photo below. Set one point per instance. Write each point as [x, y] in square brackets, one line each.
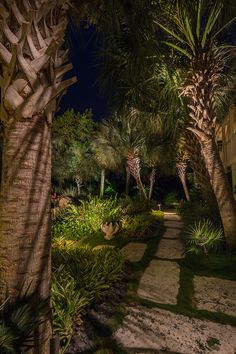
[194, 33]
[121, 138]
[33, 63]
[201, 175]
[106, 151]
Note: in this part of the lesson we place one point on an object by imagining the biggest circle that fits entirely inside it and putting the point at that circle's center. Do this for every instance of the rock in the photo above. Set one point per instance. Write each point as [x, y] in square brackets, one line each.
[64, 202]
[170, 249]
[149, 330]
[99, 247]
[215, 294]
[171, 233]
[160, 282]
[172, 216]
[133, 251]
[174, 224]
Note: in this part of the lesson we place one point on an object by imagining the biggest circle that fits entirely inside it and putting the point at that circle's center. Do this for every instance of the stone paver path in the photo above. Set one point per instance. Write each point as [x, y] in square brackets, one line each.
[170, 249]
[156, 330]
[160, 282]
[174, 224]
[214, 294]
[134, 251]
[171, 233]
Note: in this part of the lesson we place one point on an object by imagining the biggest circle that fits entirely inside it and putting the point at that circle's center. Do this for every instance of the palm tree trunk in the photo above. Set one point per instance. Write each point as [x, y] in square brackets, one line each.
[181, 170]
[25, 215]
[78, 182]
[221, 188]
[200, 88]
[201, 174]
[33, 65]
[133, 162]
[102, 182]
[127, 180]
[152, 179]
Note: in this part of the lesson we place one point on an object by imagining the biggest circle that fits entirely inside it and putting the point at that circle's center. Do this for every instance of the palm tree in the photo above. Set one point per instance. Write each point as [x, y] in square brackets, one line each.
[105, 149]
[120, 141]
[195, 34]
[33, 64]
[201, 176]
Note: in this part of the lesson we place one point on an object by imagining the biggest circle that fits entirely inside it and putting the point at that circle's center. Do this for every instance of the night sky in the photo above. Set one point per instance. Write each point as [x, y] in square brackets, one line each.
[84, 47]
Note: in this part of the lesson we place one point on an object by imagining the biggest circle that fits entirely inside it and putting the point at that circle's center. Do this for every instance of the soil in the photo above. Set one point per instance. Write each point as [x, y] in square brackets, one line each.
[97, 316]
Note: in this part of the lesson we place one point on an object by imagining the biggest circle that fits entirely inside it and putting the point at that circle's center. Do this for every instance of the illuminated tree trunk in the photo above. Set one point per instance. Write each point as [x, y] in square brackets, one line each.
[127, 180]
[200, 89]
[200, 173]
[102, 182]
[181, 171]
[152, 179]
[133, 162]
[31, 80]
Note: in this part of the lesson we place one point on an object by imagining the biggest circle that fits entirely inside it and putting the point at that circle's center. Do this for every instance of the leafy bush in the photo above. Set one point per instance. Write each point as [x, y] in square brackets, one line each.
[80, 277]
[193, 211]
[136, 205]
[76, 222]
[18, 321]
[204, 237]
[171, 198]
[138, 225]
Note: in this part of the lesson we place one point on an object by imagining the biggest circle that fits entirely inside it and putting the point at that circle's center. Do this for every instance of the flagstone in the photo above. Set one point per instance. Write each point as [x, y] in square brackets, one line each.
[174, 224]
[149, 330]
[160, 282]
[134, 251]
[170, 249]
[215, 294]
[171, 233]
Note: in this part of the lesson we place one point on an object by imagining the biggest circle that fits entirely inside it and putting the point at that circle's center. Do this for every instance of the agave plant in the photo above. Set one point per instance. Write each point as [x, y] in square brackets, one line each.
[204, 236]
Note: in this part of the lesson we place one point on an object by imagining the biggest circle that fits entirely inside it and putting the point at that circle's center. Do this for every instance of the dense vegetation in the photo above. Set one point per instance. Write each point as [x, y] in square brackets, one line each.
[171, 67]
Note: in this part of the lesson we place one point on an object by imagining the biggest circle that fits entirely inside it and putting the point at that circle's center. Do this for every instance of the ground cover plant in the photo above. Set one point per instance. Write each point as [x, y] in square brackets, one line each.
[81, 276]
[82, 272]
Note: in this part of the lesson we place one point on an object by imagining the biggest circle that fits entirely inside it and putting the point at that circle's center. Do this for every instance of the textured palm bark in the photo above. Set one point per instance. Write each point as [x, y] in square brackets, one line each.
[200, 173]
[181, 170]
[200, 89]
[221, 188]
[127, 180]
[33, 64]
[102, 182]
[25, 214]
[152, 179]
[133, 162]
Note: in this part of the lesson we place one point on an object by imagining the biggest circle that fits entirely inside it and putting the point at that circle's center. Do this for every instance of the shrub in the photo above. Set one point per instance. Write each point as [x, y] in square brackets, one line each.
[76, 222]
[204, 237]
[171, 198]
[138, 225]
[18, 321]
[80, 277]
[136, 205]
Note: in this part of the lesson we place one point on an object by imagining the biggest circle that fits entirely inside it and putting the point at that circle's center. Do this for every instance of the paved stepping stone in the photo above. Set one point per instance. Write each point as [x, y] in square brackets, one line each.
[147, 330]
[171, 233]
[160, 282]
[170, 249]
[215, 294]
[172, 216]
[99, 247]
[134, 252]
[174, 224]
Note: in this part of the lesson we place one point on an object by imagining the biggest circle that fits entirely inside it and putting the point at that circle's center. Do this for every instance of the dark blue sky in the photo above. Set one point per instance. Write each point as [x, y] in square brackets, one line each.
[84, 44]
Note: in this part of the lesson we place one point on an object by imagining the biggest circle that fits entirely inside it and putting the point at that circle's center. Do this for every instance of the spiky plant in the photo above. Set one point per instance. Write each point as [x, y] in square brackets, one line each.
[194, 33]
[204, 236]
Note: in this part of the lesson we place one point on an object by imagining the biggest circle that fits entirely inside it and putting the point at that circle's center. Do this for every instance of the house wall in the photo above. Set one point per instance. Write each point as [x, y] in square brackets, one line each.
[227, 134]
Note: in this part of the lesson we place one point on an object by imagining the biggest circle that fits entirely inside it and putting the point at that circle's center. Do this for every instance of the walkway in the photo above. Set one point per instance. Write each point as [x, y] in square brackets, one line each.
[153, 323]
